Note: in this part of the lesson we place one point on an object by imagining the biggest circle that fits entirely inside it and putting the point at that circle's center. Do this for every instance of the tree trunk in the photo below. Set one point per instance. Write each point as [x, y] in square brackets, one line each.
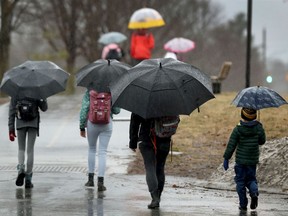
[5, 34]
[7, 8]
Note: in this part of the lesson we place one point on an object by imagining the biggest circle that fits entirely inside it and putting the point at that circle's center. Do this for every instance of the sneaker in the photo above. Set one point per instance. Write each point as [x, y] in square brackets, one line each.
[20, 179]
[254, 202]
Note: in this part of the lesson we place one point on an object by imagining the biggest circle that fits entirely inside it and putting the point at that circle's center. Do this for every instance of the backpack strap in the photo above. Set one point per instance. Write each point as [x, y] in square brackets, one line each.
[153, 140]
[153, 136]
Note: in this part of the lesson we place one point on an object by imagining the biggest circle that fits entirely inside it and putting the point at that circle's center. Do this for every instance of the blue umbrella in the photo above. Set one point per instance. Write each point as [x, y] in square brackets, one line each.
[258, 97]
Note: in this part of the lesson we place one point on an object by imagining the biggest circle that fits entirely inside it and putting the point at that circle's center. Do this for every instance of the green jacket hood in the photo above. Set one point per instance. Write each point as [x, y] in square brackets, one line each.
[249, 128]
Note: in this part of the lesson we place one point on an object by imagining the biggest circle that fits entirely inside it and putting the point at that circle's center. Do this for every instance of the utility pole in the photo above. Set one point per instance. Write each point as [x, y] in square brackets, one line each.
[264, 48]
[248, 49]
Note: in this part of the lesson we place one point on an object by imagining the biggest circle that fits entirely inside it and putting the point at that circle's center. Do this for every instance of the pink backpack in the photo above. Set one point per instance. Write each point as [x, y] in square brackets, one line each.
[100, 107]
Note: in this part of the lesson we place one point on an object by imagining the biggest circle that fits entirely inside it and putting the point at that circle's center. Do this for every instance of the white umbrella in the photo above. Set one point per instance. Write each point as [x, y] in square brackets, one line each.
[179, 45]
[145, 18]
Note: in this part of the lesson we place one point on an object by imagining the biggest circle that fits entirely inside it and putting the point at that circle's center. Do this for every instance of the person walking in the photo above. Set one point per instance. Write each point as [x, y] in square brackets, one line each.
[141, 45]
[26, 114]
[154, 151]
[103, 131]
[245, 139]
[112, 51]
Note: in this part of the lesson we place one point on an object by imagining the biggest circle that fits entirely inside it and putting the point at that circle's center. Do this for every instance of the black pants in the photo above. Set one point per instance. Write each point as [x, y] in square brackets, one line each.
[155, 162]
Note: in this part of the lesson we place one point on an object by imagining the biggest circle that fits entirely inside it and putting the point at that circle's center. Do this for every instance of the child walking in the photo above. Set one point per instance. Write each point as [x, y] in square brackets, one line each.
[245, 139]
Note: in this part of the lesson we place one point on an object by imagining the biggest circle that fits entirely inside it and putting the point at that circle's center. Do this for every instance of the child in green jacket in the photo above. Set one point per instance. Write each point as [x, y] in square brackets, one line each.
[245, 139]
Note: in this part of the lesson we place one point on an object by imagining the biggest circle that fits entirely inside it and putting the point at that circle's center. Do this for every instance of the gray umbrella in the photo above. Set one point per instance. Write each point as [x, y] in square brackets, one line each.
[162, 87]
[99, 74]
[112, 37]
[34, 79]
[258, 97]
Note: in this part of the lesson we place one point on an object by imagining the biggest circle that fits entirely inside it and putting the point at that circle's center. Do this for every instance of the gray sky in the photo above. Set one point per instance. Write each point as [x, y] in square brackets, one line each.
[269, 14]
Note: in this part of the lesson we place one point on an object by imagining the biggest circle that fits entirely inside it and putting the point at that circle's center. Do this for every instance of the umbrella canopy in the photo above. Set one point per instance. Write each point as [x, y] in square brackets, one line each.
[179, 45]
[145, 18]
[162, 87]
[258, 97]
[99, 74]
[34, 79]
[112, 37]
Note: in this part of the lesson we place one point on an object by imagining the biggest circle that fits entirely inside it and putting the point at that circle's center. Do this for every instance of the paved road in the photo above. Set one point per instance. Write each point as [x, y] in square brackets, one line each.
[60, 173]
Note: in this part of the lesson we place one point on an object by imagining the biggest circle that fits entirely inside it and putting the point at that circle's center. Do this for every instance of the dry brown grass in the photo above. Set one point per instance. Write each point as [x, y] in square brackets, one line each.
[4, 100]
[202, 137]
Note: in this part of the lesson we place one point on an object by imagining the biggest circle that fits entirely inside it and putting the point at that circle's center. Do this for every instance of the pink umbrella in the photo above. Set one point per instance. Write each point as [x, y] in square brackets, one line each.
[179, 45]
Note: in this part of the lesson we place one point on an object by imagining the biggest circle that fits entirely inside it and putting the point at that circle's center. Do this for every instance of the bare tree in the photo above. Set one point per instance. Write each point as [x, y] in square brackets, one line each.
[11, 19]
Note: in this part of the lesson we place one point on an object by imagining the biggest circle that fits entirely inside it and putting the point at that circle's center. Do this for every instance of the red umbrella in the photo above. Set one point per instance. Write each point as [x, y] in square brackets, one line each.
[179, 45]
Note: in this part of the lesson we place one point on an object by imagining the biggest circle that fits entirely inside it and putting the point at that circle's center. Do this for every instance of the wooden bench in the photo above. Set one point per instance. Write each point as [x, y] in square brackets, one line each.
[216, 80]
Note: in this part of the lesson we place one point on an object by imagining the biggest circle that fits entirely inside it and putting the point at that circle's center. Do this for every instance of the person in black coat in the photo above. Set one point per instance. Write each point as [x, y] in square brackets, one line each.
[154, 151]
[26, 127]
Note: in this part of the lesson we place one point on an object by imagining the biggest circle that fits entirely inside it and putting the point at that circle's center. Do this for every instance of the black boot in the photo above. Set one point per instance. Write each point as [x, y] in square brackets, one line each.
[90, 182]
[254, 202]
[28, 181]
[21, 175]
[155, 200]
[100, 184]
[160, 192]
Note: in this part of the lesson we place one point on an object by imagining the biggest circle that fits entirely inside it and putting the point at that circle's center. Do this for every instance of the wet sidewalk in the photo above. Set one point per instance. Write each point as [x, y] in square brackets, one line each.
[64, 194]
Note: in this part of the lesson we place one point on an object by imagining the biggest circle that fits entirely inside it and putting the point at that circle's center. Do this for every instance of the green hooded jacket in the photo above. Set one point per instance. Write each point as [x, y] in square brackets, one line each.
[245, 139]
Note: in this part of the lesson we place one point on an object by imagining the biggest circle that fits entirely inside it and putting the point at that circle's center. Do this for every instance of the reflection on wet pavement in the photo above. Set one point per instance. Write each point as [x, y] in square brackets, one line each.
[24, 201]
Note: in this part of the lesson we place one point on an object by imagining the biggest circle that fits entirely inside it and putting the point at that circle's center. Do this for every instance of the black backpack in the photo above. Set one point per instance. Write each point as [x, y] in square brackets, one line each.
[27, 109]
[114, 54]
[166, 126]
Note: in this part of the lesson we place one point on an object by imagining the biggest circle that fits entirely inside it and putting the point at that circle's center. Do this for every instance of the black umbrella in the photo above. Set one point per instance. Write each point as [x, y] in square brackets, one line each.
[258, 97]
[34, 79]
[162, 87]
[99, 74]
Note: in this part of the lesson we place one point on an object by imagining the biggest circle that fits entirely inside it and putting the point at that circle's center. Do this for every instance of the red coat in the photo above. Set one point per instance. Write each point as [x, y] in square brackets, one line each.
[141, 46]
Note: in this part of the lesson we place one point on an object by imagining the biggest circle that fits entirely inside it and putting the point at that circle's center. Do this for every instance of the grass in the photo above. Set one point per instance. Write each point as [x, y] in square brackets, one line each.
[202, 137]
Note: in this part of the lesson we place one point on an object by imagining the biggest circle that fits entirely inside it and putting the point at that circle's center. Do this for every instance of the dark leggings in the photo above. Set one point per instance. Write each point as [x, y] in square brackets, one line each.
[155, 163]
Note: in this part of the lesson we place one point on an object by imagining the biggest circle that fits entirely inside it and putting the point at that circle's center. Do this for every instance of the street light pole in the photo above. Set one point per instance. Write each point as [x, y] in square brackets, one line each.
[248, 49]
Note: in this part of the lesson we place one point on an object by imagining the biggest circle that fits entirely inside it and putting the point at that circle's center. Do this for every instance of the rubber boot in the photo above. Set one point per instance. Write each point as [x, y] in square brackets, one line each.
[28, 180]
[21, 174]
[90, 182]
[254, 202]
[155, 200]
[100, 184]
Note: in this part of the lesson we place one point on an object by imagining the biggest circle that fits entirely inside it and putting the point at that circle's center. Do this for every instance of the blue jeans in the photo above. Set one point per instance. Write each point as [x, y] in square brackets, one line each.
[245, 178]
[102, 132]
[155, 163]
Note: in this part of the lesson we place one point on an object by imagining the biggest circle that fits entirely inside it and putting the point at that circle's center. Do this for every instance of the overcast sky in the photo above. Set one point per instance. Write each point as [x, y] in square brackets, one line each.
[269, 14]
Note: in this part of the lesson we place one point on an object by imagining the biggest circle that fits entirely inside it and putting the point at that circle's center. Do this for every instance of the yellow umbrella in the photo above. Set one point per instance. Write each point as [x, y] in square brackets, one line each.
[145, 18]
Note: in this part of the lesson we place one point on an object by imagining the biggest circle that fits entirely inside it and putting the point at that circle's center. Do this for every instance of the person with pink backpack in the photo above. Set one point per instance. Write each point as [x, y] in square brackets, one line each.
[96, 115]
